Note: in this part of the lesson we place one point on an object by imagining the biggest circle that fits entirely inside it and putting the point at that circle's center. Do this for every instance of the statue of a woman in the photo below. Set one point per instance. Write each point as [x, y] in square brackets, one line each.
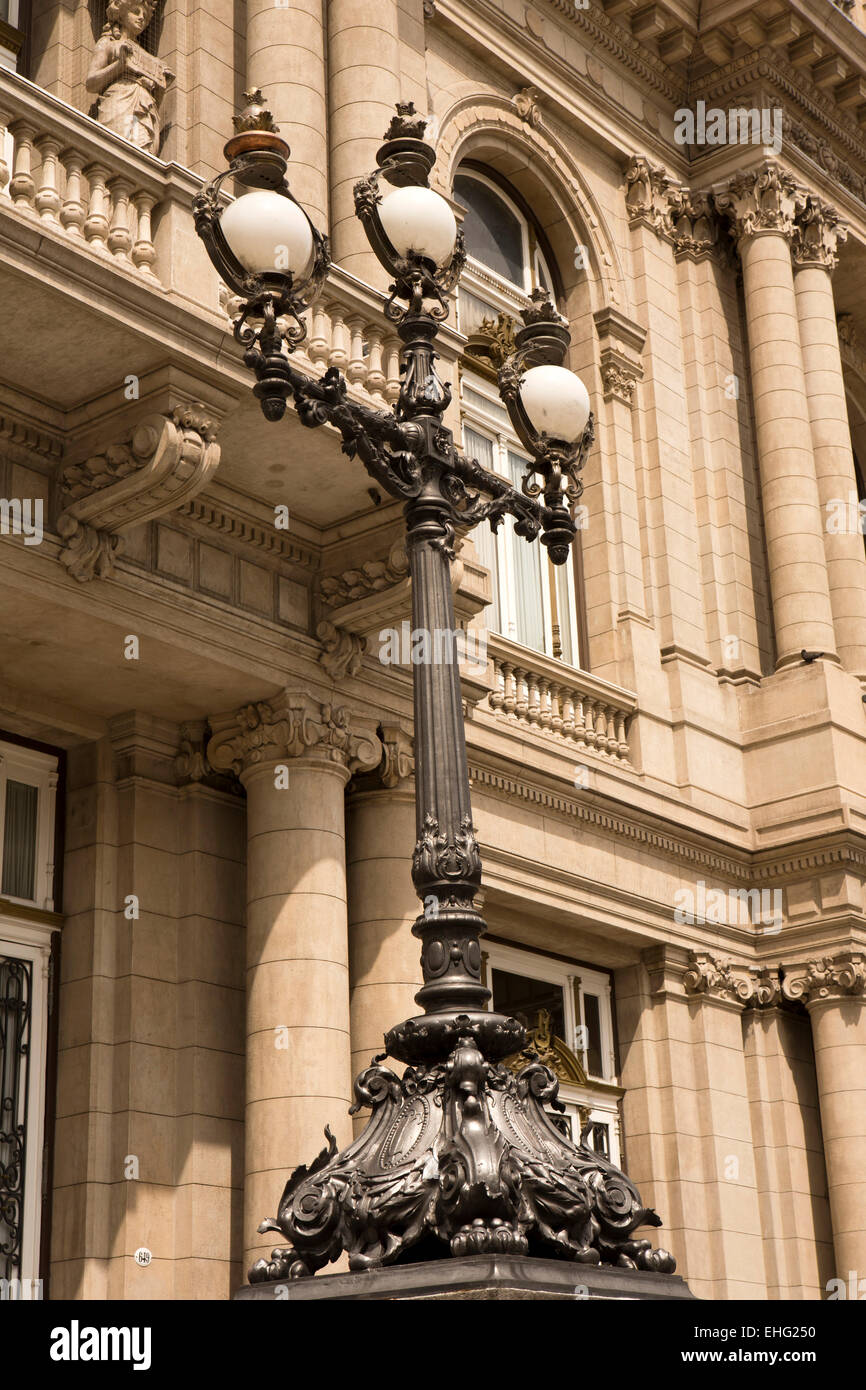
[129, 80]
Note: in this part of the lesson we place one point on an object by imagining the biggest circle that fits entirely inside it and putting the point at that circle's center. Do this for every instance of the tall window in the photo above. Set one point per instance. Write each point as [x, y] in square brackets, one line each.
[534, 602]
[28, 781]
[567, 1011]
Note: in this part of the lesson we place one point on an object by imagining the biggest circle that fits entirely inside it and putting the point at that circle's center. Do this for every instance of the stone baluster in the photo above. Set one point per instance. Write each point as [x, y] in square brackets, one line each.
[568, 713]
[375, 374]
[533, 699]
[72, 212]
[4, 167]
[510, 683]
[48, 194]
[143, 250]
[621, 736]
[555, 707]
[120, 237]
[392, 370]
[97, 224]
[496, 698]
[521, 683]
[23, 187]
[339, 354]
[319, 344]
[545, 711]
[356, 367]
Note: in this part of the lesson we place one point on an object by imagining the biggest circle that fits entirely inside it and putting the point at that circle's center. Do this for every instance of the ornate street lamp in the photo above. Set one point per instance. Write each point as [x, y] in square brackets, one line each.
[461, 1155]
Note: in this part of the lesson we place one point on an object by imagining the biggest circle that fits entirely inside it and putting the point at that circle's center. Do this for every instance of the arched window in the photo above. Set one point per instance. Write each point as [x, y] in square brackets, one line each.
[534, 602]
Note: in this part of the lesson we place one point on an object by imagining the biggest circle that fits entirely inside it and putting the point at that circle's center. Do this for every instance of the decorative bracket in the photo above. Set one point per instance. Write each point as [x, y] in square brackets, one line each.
[160, 464]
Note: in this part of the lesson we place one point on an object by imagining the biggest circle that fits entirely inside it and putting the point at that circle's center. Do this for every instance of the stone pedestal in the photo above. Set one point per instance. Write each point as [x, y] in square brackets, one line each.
[481, 1278]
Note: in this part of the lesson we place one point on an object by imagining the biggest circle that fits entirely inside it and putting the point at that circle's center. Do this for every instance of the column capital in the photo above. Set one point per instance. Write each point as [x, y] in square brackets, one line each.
[292, 725]
[717, 977]
[646, 195]
[818, 234]
[695, 224]
[759, 201]
[827, 978]
[398, 762]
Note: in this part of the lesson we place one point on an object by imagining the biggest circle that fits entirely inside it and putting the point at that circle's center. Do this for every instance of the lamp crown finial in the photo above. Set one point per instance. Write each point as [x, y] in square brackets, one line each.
[256, 115]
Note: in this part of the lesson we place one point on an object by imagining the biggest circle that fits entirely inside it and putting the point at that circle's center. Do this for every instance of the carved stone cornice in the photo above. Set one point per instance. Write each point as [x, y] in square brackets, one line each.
[818, 233]
[157, 466]
[759, 201]
[826, 978]
[719, 978]
[291, 725]
[646, 198]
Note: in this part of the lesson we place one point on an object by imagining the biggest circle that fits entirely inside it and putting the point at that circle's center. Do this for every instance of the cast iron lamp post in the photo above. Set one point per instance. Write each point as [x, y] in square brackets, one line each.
[461, 1154]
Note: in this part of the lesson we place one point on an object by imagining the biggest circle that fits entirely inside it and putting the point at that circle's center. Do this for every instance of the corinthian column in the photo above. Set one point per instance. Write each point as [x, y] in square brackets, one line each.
[363, 88]
[762, 206]
[294, 758]
[818, 234]
[833, 990]
[286, 58]
[384, 960]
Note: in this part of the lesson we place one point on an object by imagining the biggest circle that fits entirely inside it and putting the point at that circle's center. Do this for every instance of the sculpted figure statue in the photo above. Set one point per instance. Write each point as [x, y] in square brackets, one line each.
[128, 79]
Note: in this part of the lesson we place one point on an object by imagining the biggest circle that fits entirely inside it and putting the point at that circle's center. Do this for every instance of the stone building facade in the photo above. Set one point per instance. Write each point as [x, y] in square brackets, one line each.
[206, 807]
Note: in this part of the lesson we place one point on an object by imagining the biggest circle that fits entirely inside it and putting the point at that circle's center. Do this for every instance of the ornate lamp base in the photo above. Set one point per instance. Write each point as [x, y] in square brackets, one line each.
[459, 1158]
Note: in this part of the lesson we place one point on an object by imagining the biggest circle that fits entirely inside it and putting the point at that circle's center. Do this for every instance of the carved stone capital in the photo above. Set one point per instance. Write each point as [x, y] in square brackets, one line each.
[818, 234]
[291, 725]
[827, 978]
[717, 977]
[398, 763]
[759, 201]
[162, 462]
[695, 224]
[342, 651]
[646, 195]
[618, 380]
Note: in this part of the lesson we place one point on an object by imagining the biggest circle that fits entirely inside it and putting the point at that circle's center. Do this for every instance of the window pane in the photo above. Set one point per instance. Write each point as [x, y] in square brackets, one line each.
[599, 1139]
[527, 558]
[16, 978]
[494, 236]
[19, 841]
[592, 1019]
[481, 448]
[516, 994]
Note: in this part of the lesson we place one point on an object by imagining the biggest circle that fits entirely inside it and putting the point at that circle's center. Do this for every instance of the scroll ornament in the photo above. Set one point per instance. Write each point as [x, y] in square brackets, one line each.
[163, 462]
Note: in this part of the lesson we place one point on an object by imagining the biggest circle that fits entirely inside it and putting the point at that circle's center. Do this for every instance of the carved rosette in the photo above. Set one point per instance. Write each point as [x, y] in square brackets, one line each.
[759, 202]
[646, 197]
[342, 650]
[466, 1154]
[717, 977]
[291, 726]
[818, 234]
[158, 466]
[619, 381]
[827, 978]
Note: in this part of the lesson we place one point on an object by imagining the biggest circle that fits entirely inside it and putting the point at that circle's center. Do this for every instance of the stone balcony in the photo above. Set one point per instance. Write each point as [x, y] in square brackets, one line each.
[101, 261]
[581, 713]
